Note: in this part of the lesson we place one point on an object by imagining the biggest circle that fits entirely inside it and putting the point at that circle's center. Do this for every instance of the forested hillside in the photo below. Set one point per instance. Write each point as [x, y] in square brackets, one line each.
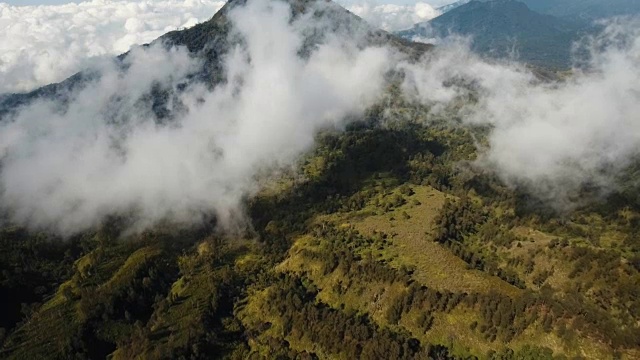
[384, 240]
[388, 246]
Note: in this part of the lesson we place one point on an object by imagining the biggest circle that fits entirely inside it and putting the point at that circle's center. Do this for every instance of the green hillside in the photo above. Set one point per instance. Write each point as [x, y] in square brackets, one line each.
[384, 241]
[390, 247]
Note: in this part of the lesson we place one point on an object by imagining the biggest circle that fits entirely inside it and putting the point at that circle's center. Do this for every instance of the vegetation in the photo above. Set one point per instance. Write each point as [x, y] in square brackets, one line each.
[385, 243]
[389, 246]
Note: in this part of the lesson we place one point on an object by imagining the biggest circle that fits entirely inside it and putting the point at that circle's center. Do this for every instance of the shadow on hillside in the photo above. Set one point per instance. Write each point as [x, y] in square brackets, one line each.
[352, 159]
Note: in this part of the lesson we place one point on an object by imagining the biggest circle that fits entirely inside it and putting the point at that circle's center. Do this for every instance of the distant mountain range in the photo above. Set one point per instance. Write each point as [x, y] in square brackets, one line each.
[585, 9]
[506, 28]
[575, 9]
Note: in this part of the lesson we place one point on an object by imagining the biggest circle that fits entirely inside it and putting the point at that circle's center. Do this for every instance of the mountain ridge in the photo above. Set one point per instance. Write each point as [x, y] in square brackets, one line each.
[502, 28]
[578, 10]
[209, 40]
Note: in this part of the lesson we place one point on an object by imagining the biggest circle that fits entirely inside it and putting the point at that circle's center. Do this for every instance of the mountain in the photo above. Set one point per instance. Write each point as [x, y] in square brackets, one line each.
[572, 9]
[449, 7]
[384, 242]
[209, 41]
[503, 28]
[585, 9]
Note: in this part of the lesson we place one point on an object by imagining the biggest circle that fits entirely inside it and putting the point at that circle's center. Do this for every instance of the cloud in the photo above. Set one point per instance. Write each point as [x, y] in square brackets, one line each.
[552, 138]
[392, 17]
[45, 44]
[107, 154]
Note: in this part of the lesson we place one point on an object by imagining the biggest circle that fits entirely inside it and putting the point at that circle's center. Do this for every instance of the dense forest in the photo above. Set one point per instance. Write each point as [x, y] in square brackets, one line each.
[386, 242]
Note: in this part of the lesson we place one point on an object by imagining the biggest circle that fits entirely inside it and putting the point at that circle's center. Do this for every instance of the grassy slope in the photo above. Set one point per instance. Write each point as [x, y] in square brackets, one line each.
[178, 295]
[411, 244]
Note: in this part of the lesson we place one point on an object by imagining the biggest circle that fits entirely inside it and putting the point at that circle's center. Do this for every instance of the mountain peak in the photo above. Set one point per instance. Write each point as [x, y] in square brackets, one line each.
[210, 40]
[338, 19]
[504, 28]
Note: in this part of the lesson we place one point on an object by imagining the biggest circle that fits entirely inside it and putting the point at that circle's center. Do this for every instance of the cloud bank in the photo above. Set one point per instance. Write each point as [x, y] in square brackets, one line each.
[105, 154]
[550, 137]
[40, 45]
[392, 17]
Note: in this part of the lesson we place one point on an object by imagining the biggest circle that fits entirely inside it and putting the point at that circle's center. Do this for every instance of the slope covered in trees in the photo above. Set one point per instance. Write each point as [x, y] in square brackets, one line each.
[388, 247]
[383, 242]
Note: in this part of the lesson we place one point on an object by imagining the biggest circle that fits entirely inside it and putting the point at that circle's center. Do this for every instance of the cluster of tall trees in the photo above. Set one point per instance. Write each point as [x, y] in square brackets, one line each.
[348, 335]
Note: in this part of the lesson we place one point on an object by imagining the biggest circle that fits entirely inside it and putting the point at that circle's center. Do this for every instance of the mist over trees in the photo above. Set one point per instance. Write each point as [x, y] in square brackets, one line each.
[285, 181]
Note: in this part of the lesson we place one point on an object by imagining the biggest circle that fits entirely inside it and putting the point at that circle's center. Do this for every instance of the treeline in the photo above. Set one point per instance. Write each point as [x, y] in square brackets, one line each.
[179, 297]
[503, 317]
[461, 218]
[348, 335]
[32, 266]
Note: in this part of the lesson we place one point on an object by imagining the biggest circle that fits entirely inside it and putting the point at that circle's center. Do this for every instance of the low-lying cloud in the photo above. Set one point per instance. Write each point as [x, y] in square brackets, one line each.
[550, 137]
[393, 17]
[40, 45]
[43, 44]
[106, 153]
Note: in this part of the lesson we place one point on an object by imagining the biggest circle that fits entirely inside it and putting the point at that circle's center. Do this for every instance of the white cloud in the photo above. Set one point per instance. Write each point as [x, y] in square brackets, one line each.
[44, 44]
[105, 154]
[40, 45]
[392, 17]
[550, 137]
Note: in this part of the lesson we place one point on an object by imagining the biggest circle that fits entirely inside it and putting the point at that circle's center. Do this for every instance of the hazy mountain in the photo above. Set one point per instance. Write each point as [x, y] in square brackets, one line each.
[453, 5]
[505, 28]
[575, 9]
[585, 9]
